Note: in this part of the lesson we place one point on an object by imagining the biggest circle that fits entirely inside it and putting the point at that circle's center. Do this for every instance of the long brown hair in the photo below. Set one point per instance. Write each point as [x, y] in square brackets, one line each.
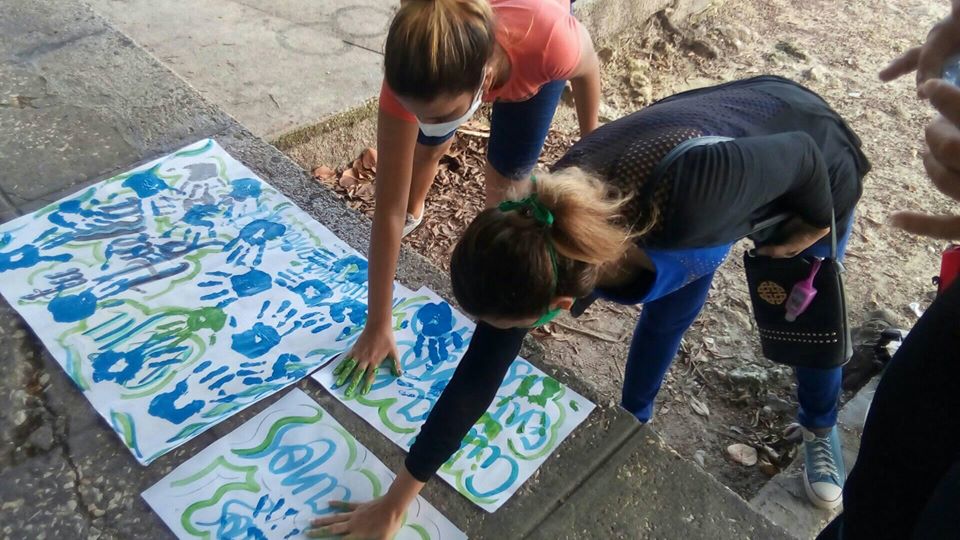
[437, 47]
[501, 266]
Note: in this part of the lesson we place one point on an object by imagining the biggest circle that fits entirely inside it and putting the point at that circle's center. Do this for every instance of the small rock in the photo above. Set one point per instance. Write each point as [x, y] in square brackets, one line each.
[815, 73]
[743, 454]
[41, 438]
[699, 407]
[767, 412]
[20, 418]
[700, 456]
[778, 404]
[749, 376]
[72, 506]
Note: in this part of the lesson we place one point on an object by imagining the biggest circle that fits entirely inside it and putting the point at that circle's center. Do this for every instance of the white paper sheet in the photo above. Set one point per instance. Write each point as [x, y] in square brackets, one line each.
[526, 422]
[272, 475]
[181, 292]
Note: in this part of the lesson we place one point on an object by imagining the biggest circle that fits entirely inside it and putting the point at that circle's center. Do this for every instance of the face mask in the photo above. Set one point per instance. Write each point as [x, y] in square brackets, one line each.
[547, 317]
[439, 130]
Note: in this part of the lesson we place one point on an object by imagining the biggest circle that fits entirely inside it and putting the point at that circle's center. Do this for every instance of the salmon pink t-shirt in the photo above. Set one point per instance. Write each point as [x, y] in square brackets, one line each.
[542, 40]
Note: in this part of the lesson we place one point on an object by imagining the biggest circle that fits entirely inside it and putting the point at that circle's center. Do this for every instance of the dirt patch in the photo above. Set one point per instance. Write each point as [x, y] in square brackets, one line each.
[720, 390]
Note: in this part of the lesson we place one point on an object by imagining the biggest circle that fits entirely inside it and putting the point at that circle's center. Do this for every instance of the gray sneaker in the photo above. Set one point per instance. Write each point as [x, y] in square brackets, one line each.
[824, 472]
[411, 224]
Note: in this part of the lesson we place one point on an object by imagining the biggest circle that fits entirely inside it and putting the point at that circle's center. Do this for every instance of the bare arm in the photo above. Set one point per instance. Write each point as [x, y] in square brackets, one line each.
[396, 140]
[585, 81]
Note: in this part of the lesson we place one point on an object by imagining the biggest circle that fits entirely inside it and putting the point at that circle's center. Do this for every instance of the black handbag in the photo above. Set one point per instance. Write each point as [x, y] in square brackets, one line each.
[819, 337]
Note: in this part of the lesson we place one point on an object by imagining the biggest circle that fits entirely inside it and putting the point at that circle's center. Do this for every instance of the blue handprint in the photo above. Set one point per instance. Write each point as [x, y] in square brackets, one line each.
[254, 235]
[250, 283]
[313, 292]
[433, 325]
[258, 340]
[240, 521]
[27, 256]
[348, 274]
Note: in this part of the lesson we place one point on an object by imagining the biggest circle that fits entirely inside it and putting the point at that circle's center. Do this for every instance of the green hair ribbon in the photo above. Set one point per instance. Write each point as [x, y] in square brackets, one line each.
[542, 215]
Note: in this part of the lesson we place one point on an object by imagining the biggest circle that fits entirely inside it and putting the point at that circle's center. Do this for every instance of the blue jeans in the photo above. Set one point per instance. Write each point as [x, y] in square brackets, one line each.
[662, 324]
[517, 131]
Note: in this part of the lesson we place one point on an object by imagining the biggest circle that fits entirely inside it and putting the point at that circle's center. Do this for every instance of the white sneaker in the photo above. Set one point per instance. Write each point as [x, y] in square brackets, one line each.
[411, 223]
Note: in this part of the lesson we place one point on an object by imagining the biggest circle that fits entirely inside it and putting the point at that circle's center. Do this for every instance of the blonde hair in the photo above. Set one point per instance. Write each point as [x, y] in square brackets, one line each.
[502, 264]
[437, 47]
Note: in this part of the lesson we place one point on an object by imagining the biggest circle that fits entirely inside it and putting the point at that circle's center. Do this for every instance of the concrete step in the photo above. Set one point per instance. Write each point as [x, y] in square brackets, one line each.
[783, 500]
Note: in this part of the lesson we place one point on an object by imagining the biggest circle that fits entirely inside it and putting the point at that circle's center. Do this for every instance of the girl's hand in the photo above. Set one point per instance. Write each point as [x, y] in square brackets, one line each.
[379, 519]
[359, 368]
[800, 236]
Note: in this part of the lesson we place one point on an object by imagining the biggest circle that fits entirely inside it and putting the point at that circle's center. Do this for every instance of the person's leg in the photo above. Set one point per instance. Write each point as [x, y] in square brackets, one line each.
[517, 132]
[426, 158]
[818, 393]
[909, 441]
[655, 342]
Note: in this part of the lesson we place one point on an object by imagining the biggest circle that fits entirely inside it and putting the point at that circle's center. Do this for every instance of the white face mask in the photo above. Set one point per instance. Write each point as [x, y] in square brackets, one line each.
[439, 130]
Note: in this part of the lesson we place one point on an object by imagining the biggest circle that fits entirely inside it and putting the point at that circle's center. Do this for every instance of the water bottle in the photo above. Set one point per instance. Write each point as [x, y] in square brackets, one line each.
[951, 70]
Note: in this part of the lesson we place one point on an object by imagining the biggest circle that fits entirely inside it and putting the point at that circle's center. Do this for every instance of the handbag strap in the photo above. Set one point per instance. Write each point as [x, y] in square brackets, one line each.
[673, 155]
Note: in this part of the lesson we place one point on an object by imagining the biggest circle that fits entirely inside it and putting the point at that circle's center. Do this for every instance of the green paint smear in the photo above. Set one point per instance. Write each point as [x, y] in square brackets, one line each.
[275, 428]
[197, 151]
[419, 529]
[188, 431]
[382, 406]
[124, 422]
[554, 432]
[248, 484]
[491, 428]
[550, 387]
[574, 405]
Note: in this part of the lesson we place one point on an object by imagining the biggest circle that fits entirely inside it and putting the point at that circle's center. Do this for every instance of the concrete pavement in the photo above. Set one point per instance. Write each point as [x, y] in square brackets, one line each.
[274, 66]
[82, 102]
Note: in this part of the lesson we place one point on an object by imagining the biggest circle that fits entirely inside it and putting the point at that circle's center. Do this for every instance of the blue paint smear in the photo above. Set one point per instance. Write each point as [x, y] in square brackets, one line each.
[203, 365]
[164, 405]
[213, 374]
[251, 283]
[146, 184]
[27, 256]
[103, 364]
[255, 342]
[244, 188]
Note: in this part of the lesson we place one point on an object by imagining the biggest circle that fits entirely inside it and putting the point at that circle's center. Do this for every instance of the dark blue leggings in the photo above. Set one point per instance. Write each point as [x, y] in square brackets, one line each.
[662, 324]
[517, 131]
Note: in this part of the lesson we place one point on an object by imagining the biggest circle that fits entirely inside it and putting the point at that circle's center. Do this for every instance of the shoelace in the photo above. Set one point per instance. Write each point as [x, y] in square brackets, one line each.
[823, 462]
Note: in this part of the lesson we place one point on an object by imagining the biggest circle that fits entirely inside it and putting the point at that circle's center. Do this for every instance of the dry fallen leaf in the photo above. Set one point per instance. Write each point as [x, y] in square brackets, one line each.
[348, 179]
[743, 454]
[324, 173]
[369, 158]
[699, 407]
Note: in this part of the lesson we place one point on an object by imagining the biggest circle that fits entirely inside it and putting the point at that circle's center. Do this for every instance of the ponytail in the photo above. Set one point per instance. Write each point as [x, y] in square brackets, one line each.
[502, 266]
[437, 47]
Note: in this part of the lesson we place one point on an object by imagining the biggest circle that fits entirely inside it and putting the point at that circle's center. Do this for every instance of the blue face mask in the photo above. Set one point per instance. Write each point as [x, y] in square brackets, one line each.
[542, 215]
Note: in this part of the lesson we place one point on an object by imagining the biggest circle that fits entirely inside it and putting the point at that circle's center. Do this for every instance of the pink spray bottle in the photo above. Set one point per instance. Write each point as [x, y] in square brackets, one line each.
[802, 294]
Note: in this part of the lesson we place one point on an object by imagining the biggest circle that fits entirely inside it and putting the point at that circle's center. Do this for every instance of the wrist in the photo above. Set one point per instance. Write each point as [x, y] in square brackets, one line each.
[403, 491]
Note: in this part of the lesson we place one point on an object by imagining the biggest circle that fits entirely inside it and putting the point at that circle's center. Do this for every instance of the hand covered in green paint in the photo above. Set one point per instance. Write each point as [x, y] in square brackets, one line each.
[360, 365]
[379, 519]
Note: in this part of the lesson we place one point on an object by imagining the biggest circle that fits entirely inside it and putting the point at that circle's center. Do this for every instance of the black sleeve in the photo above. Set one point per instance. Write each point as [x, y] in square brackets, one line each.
[719, 189]
[468, 394]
